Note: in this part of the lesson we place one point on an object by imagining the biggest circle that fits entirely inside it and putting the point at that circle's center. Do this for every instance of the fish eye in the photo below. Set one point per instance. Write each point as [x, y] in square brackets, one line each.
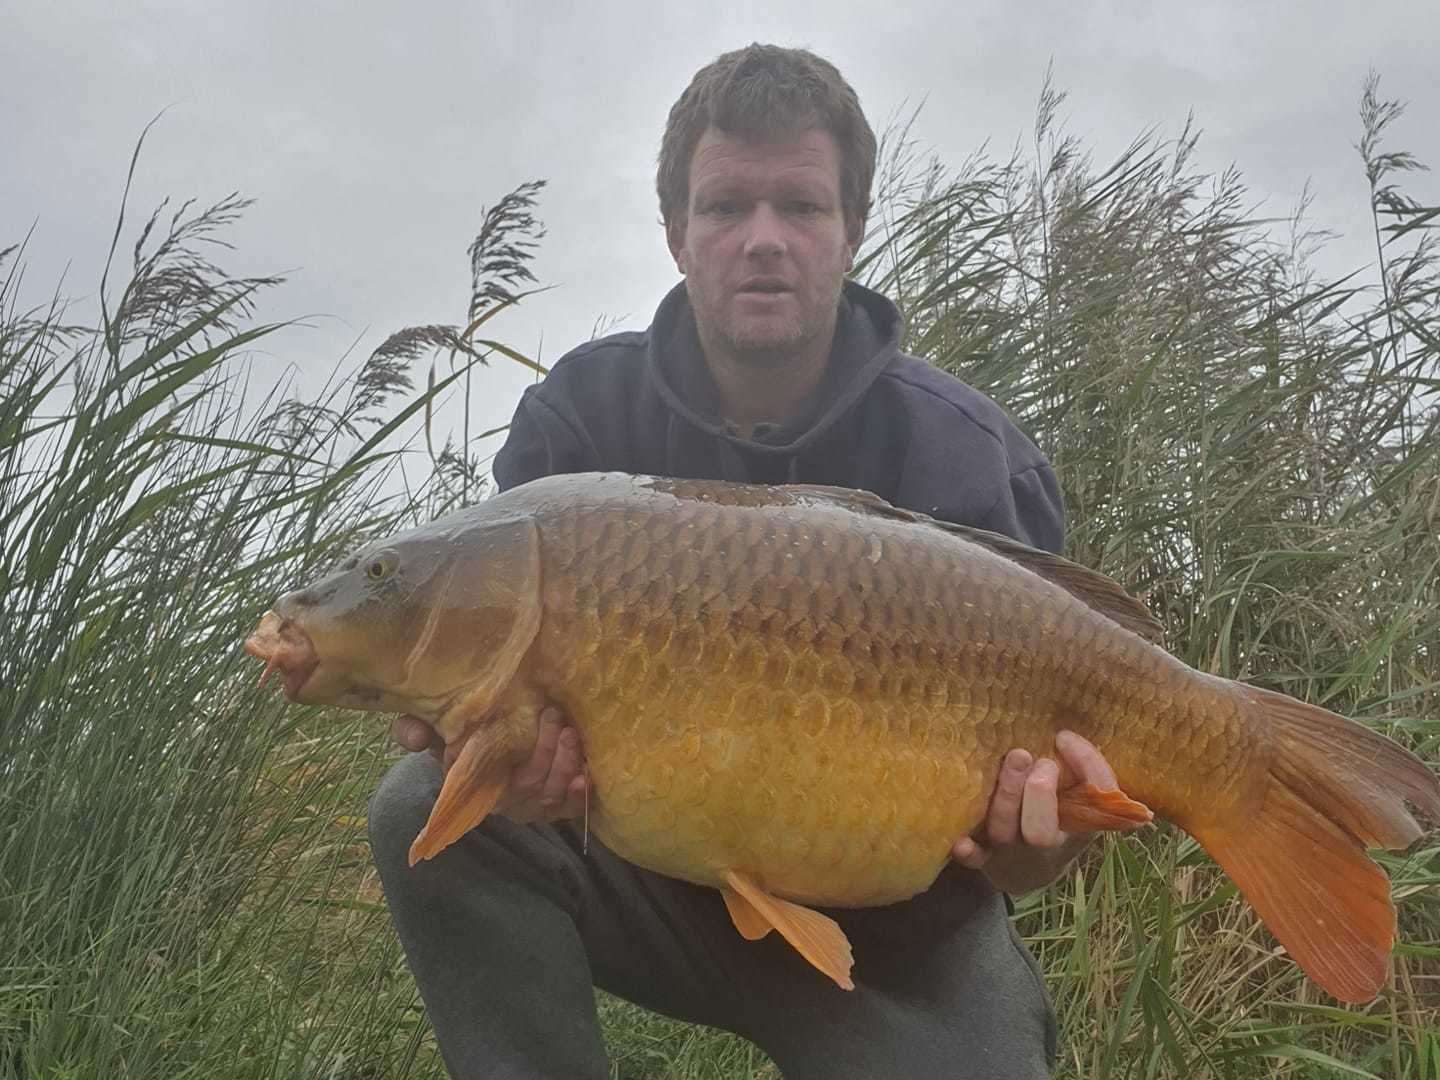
[382, 566]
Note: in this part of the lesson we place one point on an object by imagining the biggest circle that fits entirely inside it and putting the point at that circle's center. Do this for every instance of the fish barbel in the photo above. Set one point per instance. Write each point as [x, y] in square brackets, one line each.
[802, 696]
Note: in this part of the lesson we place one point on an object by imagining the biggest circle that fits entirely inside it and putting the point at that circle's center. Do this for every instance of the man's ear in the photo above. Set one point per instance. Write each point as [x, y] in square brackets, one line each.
[675, 238]
[854, 234]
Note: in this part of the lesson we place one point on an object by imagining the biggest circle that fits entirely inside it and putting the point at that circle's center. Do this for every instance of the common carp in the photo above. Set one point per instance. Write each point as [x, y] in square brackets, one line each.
[802, 696]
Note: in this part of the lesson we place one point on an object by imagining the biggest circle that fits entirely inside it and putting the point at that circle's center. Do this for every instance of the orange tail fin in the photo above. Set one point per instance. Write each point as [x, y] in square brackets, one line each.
[1334, 789]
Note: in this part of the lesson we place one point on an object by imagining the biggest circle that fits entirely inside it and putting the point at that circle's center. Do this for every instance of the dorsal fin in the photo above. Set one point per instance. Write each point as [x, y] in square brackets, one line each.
[1091, 587]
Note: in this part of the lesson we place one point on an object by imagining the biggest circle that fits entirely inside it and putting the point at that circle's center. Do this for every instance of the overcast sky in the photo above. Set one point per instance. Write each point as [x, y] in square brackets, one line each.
[372, 136]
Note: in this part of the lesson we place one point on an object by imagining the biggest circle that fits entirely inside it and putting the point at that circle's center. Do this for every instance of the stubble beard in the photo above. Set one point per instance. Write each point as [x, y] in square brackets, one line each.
[770, 349]
[777, 345]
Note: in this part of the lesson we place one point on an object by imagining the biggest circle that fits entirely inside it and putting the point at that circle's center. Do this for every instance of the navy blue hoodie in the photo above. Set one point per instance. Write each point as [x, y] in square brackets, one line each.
[644, 402]
[882, 421]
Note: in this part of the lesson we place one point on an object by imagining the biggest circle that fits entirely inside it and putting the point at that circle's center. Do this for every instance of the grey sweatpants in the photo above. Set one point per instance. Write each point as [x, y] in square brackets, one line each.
[510, 929]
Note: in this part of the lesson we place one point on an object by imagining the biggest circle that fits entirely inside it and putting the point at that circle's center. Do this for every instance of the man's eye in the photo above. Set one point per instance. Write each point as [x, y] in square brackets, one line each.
[723, 207]
[804, 208]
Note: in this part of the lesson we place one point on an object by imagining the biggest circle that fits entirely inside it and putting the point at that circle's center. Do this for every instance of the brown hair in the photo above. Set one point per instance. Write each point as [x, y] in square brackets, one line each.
[762, 91]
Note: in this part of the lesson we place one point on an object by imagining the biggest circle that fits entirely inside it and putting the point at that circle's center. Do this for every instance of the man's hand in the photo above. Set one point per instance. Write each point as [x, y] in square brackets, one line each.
[415, 734]
[1021, 846]
[550, 786]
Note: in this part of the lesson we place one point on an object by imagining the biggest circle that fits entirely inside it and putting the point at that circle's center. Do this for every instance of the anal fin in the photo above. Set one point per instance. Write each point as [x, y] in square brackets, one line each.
[473, 785]
[816, 937]
[1087, 808]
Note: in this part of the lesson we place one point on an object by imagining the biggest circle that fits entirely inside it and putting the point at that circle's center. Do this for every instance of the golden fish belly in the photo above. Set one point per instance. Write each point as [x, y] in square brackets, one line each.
[824, 703]
[821, 802]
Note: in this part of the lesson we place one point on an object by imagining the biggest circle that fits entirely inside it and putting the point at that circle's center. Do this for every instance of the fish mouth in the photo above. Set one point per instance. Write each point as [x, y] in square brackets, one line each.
[285, 648]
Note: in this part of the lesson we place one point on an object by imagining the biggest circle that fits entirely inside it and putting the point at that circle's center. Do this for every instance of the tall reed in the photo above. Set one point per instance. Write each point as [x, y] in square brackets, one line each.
[184, 887]
[1253, 449]
[165, 830]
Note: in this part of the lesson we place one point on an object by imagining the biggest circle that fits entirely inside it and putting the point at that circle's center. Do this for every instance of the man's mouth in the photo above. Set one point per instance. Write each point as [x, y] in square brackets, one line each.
[763, 286]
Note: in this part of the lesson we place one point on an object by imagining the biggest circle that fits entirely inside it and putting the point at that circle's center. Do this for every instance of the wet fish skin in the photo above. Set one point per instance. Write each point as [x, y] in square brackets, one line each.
[804, 695]
[863, 676]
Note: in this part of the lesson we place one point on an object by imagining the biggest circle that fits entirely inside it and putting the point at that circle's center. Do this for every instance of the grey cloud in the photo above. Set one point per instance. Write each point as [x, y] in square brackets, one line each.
[371, 136]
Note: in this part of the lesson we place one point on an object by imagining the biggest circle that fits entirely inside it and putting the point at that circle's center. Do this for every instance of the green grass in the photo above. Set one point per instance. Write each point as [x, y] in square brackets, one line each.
[185, 889]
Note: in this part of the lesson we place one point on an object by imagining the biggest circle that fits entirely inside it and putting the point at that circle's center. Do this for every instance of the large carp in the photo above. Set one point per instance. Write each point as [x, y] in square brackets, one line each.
[802, 696]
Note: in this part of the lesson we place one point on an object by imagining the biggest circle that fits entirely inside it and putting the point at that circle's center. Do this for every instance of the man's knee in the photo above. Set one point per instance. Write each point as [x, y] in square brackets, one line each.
[400, 807]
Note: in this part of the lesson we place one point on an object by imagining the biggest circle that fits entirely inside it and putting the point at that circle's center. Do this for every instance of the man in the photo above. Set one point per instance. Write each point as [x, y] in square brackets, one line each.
[765, 365]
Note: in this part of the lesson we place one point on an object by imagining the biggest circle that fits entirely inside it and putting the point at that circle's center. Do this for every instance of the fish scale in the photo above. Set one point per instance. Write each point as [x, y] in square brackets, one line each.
[803, 695]
[804, 673]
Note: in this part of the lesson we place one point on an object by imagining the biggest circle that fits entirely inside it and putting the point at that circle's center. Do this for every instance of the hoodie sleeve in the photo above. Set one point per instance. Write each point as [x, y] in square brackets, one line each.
[541, 442]
[1038, 508]
[965, 460]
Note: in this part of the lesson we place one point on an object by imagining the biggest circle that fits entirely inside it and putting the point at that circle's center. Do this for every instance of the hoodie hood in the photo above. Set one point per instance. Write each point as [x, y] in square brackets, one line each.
[867, 341]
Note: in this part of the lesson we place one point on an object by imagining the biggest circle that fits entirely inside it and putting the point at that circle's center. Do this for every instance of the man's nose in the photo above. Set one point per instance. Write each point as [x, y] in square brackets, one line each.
[766, 235]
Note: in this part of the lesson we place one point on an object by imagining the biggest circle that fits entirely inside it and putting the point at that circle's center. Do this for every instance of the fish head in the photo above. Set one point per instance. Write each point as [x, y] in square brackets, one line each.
[408, 624]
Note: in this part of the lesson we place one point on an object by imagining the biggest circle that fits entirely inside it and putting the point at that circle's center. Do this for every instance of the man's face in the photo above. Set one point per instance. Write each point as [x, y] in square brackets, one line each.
[765, 246]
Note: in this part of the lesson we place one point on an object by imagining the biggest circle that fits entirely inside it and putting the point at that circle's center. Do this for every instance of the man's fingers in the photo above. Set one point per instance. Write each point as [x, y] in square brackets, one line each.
[1084, 761]
[550, 784]
[529, 778]
[1002, 823]
[412, 733]
[564, 767]
[1040, 811]
[1024, 809]
[573, 804]
[969, 854]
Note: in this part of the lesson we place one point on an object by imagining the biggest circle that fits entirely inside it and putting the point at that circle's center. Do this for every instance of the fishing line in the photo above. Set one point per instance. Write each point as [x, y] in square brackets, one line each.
[585, 839]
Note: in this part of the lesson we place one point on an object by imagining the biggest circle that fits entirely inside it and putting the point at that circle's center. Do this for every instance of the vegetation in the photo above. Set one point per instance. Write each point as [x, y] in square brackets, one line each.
[1254, 451]
[184, 885]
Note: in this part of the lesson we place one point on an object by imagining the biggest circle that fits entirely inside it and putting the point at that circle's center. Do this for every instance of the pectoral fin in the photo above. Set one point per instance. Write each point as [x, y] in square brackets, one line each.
[815, 937]
[472, 787]
[1087, 808]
